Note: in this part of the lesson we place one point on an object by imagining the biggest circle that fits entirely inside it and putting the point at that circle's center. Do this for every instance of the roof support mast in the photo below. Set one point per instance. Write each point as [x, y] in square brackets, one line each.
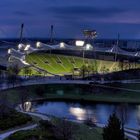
[21, 32]
[51, 37]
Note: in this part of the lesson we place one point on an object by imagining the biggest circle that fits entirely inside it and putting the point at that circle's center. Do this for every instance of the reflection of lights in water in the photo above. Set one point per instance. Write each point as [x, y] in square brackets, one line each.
[27, 106]
[138, 114]
[78, 112]
[83, 114]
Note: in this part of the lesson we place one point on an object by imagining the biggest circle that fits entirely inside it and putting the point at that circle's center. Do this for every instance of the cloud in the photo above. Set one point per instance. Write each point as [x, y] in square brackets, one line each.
[85, 11]
[22, 13]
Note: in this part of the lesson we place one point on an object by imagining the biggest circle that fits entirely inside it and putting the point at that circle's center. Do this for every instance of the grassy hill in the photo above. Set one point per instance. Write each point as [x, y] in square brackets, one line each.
[62, 64]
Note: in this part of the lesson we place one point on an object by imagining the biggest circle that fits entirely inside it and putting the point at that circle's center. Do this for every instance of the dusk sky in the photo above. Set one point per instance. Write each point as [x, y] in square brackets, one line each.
[70, 18]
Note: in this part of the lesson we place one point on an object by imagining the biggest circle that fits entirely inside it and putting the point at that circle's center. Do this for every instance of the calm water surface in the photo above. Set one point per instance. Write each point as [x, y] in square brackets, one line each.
[97, 112]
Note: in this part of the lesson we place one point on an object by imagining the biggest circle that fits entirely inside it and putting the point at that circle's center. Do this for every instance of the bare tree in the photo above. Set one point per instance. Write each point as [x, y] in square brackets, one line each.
[65, 130]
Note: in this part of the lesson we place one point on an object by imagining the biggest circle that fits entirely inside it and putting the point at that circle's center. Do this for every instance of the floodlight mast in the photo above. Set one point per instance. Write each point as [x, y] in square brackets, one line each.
[21, 32]
[81, 43]
[90, 35]
[51, 36]
[117, 47]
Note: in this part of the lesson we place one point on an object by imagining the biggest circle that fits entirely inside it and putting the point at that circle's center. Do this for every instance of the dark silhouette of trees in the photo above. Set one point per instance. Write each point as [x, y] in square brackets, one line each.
[27, 71]
[64, 130]
[4, 105]
[138, 135]
[114, 130]
[23, 96]
[12, 77]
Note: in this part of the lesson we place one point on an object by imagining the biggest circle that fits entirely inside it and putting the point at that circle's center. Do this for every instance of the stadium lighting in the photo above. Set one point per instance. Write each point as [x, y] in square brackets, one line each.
[62, 45]
[21, 46]
[79, 43]
[9, 51]
[9, 59]
[27, 47]
[88, 47]
[38, 44]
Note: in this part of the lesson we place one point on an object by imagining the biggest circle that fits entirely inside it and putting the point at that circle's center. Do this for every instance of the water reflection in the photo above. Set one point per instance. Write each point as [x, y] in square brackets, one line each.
[138, 114]
[83, 114]
[78, 112]
[100, 113]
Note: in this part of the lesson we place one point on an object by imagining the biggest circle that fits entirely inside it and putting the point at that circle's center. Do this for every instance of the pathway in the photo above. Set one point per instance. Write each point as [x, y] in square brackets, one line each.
[8, 133]
[128, 132]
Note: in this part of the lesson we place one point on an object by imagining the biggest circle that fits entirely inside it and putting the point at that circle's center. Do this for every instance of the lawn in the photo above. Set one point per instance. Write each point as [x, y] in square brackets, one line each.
[62, 64]
[50, 130]
[93, 93]
[10, 118]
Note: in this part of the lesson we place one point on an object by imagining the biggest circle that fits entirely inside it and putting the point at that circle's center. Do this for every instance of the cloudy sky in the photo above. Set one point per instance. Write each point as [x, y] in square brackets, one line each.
[70, 18]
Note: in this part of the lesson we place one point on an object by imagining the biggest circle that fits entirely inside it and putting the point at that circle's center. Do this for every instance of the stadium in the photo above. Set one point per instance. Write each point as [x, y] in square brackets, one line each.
[63, 59]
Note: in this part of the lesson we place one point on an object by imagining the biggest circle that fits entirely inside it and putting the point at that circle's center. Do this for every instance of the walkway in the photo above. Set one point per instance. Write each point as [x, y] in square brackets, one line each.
[47, 80]
[128, 132]
[8, 133]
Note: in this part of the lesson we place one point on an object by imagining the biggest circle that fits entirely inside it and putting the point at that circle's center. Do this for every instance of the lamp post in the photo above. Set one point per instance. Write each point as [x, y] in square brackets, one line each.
[80, 43]
[90, 35]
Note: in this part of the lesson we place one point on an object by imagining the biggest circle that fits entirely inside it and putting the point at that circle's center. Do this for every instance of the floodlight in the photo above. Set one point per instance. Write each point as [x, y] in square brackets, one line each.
[88, 47]
[38, 44]
[27, 47]
[21, 46]
[79, 43]
[9, 51]
[62, 45]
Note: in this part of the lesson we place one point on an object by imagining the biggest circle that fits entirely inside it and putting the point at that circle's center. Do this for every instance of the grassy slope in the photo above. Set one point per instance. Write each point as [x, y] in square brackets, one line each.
[52, 65]
[79, 92]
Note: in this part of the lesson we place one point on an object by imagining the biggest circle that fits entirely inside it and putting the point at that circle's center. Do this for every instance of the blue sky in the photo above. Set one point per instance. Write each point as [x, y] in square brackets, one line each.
[70, 18]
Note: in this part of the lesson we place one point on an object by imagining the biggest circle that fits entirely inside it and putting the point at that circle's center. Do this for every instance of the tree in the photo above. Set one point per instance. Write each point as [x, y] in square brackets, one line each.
[23, 96]
[13, 72]
[26, 71]
[83, 71]
[39, 91]
[64, 129]
[121, 65]
[139, 135]
[113, 131]
[1, 74]
[4, 105]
